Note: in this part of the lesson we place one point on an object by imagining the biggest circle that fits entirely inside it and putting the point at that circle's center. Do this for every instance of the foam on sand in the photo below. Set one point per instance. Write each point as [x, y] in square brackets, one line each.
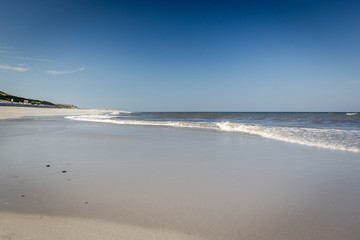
[40, 227]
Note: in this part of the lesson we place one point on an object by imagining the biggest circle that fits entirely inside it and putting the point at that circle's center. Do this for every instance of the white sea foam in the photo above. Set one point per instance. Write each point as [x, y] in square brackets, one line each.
[90, 117]
[351, 114]
[336, 139]
[109, 119]
[325, 138]
[118, 112]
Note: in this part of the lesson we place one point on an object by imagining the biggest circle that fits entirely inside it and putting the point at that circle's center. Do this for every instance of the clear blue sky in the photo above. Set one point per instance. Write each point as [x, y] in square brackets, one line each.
[183, 55]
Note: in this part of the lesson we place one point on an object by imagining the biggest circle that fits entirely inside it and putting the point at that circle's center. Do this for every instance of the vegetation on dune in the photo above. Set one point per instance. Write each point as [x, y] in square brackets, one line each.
[16, 99]
[66, 105]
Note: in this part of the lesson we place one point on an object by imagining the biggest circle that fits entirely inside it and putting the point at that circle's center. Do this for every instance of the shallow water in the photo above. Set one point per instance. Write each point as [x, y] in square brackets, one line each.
[219, 185]
[338, 131]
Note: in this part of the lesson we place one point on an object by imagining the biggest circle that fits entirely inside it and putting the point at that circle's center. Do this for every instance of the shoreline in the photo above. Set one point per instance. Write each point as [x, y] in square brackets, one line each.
[24, 225]
[8, 112]
[65, 179]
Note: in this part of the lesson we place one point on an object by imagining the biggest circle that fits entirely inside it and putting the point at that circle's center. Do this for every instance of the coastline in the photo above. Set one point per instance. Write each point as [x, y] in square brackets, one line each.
[8, 112]
[15, 225]
[64, 179]
[22, 226]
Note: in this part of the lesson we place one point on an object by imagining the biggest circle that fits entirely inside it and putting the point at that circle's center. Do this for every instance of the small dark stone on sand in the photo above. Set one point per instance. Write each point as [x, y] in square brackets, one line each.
[69, 179]
[23, 195]
[63, 171]
[48, 165]
[86, 202]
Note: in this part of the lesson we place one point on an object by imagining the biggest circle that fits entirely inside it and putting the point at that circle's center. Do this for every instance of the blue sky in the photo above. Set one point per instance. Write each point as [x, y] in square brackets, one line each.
[183, 55]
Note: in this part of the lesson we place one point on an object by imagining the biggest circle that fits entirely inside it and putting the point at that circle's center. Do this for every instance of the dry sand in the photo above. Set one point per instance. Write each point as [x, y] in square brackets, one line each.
[22, 226]
[17, 112]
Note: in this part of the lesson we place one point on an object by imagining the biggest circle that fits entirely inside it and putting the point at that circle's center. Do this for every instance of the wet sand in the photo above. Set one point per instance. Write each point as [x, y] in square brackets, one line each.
[59, 177]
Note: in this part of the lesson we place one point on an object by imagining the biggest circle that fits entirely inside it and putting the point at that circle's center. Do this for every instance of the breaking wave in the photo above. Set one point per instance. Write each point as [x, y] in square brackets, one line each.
[336, 139]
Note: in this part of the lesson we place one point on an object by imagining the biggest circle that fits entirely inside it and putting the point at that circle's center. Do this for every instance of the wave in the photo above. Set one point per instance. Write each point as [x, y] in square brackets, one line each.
[337, 139]
[351, 114]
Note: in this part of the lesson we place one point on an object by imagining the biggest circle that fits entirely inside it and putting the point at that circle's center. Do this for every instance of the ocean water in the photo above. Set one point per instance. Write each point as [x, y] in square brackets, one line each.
[337, 131]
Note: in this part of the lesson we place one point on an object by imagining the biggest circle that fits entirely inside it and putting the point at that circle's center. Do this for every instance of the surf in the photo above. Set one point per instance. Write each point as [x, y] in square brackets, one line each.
[329, 138]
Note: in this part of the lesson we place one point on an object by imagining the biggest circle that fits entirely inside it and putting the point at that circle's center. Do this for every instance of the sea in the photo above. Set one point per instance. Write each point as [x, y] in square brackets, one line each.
[330, 130]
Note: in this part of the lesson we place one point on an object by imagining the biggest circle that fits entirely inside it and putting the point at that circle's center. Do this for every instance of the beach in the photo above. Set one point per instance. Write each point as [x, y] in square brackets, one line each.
[67, 179]
[17, 112]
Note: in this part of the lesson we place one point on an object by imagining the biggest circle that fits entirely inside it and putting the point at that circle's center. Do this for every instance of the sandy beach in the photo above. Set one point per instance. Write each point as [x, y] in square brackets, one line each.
[17, 112]
[35, 226]
[42, 227]
[243, 121]
[65, 179]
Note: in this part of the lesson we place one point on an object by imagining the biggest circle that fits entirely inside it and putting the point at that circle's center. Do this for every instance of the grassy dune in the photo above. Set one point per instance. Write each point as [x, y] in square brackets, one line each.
[16, 99]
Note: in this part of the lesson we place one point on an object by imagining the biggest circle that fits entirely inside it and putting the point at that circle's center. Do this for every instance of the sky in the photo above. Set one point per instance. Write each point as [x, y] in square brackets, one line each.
[255, 55]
